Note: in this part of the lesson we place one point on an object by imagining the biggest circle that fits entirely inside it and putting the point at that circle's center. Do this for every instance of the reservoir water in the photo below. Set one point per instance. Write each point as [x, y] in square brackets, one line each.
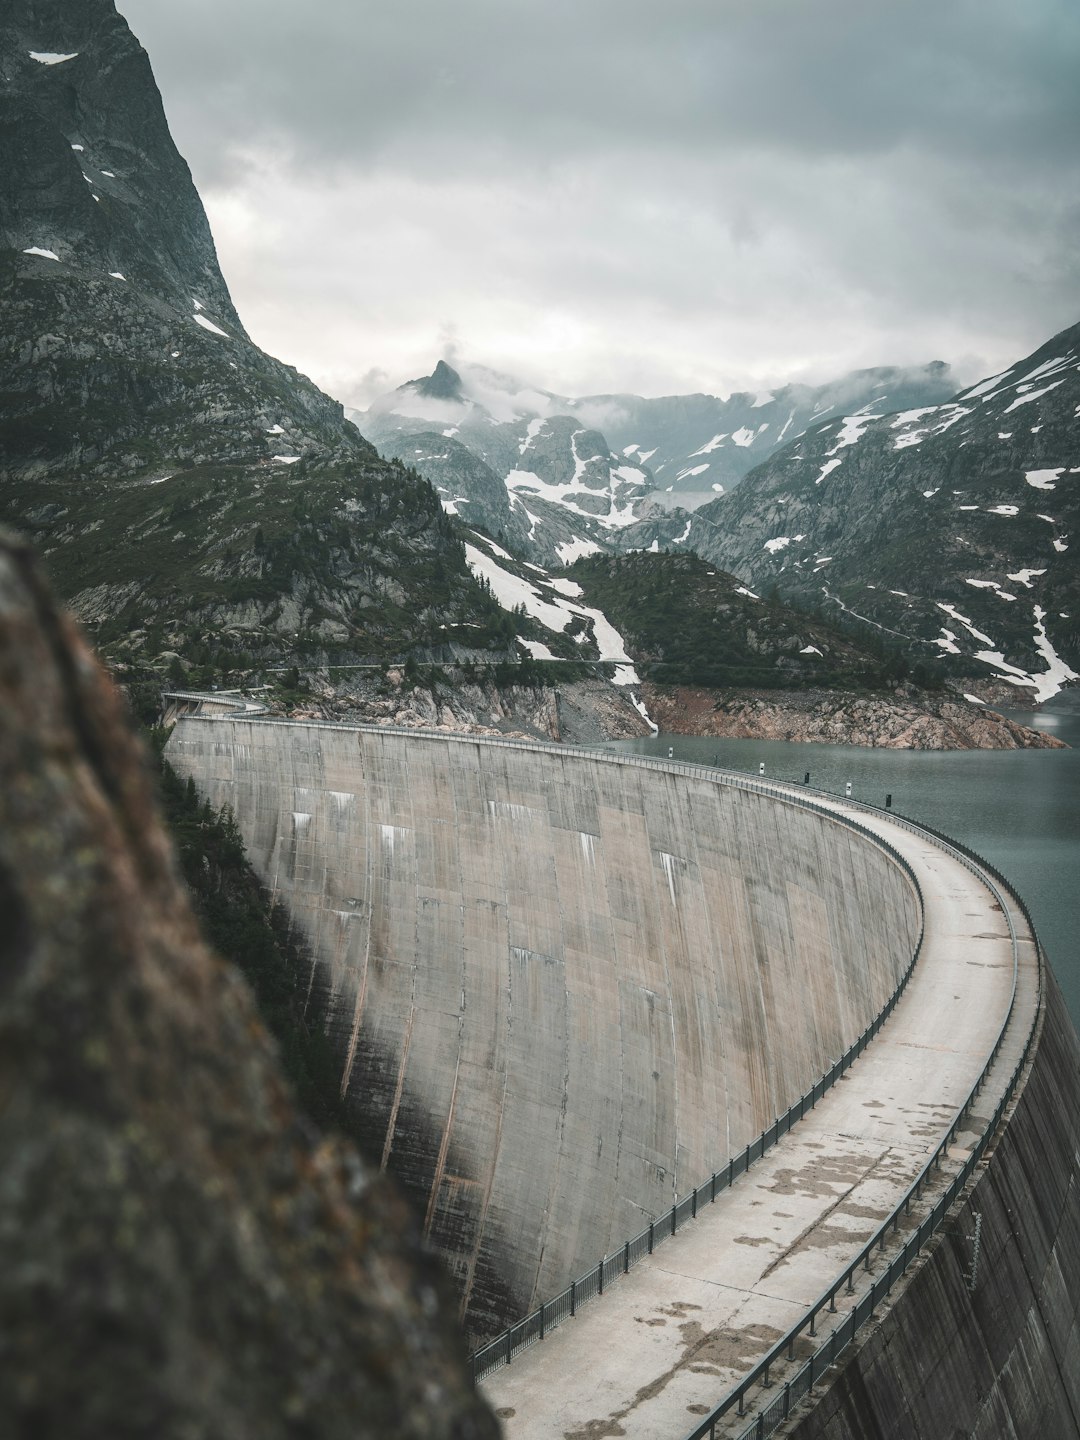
[1018, 808]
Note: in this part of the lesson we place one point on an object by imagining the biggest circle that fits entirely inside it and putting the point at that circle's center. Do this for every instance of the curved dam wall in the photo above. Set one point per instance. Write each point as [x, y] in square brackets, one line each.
[563, 989]
[999, 1359]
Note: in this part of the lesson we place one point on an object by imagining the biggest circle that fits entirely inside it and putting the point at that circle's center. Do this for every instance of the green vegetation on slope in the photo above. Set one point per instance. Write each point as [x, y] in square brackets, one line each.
[687, 623]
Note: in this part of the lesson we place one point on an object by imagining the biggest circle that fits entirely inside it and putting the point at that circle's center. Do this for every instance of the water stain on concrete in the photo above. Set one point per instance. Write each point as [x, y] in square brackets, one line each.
[705, 1352]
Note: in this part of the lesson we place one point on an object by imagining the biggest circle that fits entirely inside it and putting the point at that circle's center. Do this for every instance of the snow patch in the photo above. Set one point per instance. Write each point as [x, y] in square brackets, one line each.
[534, 428]
[1009, 510]
[851, 431]
[947, 642]
[742, 590]
[537, 649]
[1043, 479]
[810, 650]
[744, 437]
[710, 446]
[51, 57]
[1023, 577]
[564, 587]
[45, 254]
[639, 706]
[286, 459]
[827, 469]
[984, 386]
[1046, 368]
[209, 325]
[973, 699]
[115, 275]
[1034, 395]
[571, 550]
[780, 543]
[696, 470]
[1050, 681]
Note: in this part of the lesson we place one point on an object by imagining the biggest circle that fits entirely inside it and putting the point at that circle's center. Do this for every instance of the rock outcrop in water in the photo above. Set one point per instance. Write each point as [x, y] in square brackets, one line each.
[179, 1255]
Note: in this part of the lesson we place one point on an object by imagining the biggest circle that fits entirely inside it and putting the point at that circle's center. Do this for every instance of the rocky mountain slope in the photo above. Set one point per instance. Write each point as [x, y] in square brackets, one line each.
[190, 493]
[605, 473]
[699, 445]
[949, 527]
[716, 658]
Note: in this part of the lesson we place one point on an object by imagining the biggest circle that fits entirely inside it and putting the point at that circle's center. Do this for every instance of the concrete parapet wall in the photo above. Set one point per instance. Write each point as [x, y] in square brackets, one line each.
[563, 989]
[999, 1360]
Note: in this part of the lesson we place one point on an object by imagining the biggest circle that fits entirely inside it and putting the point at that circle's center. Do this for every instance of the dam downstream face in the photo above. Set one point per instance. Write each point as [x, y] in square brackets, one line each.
[563, 988]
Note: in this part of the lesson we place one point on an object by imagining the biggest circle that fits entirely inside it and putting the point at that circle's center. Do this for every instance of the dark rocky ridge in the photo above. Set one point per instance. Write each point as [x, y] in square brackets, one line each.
[177, 478]
[179, 1255]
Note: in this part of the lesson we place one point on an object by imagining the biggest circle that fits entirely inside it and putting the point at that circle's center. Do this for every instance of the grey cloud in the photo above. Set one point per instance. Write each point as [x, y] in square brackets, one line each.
[620, 195]
[350, 83]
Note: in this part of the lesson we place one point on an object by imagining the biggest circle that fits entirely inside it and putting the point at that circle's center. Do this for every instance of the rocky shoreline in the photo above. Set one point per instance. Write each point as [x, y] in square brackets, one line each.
[580, 712]
[911, 721]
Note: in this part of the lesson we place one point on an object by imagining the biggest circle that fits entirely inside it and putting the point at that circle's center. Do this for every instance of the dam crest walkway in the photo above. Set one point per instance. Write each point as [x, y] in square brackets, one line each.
[684, 1327]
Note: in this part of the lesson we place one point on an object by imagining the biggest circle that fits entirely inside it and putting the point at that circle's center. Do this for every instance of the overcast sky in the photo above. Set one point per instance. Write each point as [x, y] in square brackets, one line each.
[649, 195]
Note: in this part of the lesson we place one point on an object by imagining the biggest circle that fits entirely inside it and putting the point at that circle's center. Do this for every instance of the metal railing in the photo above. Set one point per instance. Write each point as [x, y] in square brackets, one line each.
[773, 1415]
[526, 1332]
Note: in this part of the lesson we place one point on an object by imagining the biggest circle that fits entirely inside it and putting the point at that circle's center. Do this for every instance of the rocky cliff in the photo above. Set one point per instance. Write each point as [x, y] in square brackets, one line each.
[179, 1254]
[186, 489]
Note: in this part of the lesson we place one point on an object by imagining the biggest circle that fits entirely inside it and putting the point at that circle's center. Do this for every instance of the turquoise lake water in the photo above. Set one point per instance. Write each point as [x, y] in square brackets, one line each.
[1018, 808]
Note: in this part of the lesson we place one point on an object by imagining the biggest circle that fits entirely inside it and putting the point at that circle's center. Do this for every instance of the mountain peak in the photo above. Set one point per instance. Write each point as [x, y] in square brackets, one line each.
[444, 383]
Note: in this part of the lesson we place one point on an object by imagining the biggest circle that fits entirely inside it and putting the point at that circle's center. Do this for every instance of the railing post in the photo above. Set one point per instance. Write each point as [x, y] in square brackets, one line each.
[509, 1345]
[541, 1322]
[600, 1277]
[693, 1205]
[650, 1236]
[573, 1298]
[674, 1216]
[626, 1258]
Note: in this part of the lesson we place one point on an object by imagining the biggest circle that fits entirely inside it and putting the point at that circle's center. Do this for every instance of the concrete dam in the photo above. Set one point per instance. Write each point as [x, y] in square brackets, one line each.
[565, 988]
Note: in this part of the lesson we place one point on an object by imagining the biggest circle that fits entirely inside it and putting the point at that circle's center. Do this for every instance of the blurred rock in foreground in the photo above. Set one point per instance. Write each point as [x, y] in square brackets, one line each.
[178, 1255]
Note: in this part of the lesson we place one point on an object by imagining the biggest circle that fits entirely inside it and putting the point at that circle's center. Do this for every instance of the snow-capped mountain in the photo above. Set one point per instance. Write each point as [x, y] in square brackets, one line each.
[603, 473]
[698, 446]
[951, 525]
[565, 493]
